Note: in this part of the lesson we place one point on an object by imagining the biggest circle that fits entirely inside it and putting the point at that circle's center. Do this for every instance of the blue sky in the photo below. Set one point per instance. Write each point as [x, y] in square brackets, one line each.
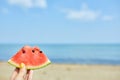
[59, 21]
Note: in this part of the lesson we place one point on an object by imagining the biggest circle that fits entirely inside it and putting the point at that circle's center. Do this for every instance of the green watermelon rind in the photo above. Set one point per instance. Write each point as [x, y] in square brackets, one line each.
[29, 67]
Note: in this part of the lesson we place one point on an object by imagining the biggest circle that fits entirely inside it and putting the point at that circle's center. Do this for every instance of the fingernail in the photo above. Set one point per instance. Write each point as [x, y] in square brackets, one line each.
[22, 65]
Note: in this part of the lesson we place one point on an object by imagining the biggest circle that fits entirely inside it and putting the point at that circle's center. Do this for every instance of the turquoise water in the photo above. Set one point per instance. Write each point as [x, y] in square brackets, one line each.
[71, 53]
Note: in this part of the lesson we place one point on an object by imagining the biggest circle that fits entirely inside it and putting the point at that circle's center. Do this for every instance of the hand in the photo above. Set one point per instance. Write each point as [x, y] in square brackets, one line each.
[21, 74]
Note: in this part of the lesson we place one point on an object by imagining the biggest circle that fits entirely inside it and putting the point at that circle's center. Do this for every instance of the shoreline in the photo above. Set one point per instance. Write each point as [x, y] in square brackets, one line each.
[68, 72]
[76, 64]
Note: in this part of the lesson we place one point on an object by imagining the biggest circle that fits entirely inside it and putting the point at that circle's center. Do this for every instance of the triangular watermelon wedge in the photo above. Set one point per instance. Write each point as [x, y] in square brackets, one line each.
[32, 57]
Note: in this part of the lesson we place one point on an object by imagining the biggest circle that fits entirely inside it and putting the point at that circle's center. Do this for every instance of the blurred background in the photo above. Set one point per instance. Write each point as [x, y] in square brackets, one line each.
[80, 37]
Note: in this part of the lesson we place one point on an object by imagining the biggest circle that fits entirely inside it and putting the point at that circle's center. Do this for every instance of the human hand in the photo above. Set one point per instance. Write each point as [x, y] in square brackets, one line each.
[22, 74]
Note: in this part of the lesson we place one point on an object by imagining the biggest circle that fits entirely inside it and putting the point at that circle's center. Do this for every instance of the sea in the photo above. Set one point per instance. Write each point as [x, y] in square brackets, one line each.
[108, 54]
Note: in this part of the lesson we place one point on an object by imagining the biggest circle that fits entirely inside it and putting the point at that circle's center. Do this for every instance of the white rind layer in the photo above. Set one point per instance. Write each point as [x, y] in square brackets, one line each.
[29, 67]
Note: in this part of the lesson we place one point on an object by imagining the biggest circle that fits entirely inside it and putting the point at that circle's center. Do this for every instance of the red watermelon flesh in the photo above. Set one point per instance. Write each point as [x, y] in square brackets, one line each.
[32, 57]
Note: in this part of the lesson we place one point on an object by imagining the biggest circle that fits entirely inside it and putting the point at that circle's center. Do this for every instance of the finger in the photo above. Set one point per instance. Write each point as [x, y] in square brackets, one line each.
[22, 70]
[14, 74]
[29, 75]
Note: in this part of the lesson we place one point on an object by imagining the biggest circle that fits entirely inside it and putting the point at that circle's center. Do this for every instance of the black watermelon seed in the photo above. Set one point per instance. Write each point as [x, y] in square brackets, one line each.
[33, 51]
[23, 51]
[40, 51]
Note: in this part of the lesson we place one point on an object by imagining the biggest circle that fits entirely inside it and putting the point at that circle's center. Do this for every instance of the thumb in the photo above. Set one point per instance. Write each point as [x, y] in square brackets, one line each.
[22, 70]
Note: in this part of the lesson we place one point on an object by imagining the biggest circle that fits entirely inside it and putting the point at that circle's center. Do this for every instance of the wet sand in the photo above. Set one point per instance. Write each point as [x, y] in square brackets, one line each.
[68, 72]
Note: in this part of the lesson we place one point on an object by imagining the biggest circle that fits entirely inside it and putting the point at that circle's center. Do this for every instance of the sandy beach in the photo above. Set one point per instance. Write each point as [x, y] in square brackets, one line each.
[68, 72]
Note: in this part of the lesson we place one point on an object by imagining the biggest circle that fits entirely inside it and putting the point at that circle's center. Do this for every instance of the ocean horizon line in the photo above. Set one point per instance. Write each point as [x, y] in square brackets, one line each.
[71, 53]
[63, 43]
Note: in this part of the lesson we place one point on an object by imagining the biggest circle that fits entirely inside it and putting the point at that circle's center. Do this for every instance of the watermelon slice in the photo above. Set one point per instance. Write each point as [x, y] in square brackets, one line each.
[32, 57]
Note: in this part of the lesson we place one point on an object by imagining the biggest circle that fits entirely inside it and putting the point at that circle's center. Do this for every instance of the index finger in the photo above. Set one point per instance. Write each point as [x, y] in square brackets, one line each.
[29, 75]
[14, 74]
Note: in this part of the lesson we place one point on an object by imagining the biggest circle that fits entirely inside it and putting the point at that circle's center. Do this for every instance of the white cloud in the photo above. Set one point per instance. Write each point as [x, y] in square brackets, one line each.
[4, 11]
[85, 14]
[29, 3]
[107, 18]
[41, 3]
